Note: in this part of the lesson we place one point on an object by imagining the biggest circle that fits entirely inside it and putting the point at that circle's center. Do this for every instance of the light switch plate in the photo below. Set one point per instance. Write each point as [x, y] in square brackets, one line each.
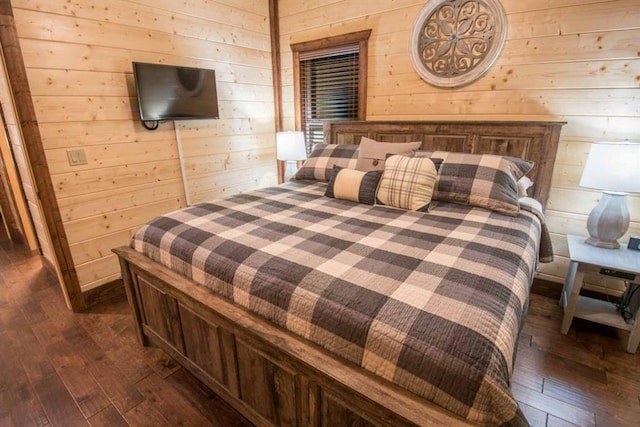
[77, 157]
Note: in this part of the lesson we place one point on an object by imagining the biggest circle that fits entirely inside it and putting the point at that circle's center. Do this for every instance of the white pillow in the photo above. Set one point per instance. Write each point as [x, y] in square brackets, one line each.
[524, 184]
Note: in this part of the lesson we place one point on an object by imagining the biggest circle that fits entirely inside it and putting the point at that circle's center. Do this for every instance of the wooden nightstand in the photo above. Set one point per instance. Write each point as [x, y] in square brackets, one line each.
[590, 258]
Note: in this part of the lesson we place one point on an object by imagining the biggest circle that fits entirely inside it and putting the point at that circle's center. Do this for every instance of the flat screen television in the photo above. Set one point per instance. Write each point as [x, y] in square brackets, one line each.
[167, 92]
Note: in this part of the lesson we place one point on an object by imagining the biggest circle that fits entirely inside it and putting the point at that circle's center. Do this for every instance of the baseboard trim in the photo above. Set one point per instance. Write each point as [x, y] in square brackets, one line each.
[553, 290]
[104, 293]
[47, 264]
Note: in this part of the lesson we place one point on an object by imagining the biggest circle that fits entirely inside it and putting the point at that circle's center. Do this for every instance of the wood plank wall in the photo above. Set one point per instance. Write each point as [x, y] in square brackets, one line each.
[78, 57]
[571, 60]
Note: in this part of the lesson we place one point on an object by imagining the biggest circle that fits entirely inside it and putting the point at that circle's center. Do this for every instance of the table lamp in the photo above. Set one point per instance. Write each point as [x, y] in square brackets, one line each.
[613, 167]
[290, 148]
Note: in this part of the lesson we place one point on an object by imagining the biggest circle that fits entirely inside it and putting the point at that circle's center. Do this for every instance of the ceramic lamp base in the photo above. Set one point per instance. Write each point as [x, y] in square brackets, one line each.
[602, 243]
[608, 221]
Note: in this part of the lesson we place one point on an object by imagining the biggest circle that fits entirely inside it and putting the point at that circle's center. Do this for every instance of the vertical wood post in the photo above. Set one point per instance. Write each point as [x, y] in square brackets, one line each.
[274, 21]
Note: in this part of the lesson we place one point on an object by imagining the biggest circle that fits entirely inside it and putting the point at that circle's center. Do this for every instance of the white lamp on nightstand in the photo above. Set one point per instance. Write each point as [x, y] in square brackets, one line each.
[290, 148]
[613, 167]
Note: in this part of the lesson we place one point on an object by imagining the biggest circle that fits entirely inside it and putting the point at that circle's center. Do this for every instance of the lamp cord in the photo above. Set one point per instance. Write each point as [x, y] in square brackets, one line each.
[623, 306]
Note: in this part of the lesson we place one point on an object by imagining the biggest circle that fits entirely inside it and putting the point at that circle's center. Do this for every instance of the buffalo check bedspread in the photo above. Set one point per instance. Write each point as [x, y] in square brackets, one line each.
[430, 301]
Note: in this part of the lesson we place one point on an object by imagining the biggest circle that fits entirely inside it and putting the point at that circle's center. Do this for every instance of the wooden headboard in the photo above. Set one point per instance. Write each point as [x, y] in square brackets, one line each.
[535, 141]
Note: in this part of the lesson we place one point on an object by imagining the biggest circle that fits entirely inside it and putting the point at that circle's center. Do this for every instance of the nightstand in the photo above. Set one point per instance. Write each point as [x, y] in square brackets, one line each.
[584, 258]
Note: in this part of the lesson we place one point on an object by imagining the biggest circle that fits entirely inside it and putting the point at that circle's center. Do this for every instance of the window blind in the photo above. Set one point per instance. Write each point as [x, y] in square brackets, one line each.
[329, 91]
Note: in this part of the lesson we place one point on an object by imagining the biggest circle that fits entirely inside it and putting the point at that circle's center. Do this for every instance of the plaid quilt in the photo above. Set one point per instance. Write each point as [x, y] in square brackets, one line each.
[430, 301]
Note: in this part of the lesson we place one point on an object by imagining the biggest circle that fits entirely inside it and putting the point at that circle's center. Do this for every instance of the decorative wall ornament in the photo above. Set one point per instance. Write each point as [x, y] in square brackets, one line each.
[455, 42]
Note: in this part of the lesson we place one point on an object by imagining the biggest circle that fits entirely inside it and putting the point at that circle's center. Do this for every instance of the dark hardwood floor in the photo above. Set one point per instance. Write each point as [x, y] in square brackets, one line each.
[63, 369]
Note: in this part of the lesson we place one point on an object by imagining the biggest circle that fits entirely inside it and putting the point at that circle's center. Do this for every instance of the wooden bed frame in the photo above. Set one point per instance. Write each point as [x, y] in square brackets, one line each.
[273, 377]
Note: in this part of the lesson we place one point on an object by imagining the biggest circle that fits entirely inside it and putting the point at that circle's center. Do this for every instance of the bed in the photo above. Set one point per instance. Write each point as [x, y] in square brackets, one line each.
[300, 309]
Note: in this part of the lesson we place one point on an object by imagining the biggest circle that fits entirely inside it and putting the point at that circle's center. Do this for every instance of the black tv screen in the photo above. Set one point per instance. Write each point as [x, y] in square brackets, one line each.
[167, 92]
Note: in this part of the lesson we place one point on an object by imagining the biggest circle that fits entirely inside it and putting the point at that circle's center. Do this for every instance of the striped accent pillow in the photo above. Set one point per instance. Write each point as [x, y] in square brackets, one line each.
[319, 165]
[483, 180]
[354, 185]
[407, 182]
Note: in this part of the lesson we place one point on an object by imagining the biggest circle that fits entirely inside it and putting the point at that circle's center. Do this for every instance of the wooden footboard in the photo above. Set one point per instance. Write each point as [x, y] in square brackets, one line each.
[269, 375]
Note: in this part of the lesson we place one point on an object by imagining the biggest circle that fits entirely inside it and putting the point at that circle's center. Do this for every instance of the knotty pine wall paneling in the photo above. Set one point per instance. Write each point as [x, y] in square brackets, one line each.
[571, 60]
[78, 57]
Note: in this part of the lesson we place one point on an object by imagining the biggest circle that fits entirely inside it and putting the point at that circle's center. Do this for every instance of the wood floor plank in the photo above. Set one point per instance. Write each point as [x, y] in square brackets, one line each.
[525, 339]
[553, 421]
[108, 417]
[217, 411]
[72, 369]
[57, 339]
[5, 261]
[120, 389]
[32, 311]
[119, 343]
[535, 416]
[606, 421]
[553, 406]
[616, 407]
[59, 405]
[174, 407]
[626, 385]
[26, 346]
[585, 353]
[19, 404]
[146, 414]
[5, 418]
[557, 367]
[10, 317]
[618, 361]
[592, 332]
[527, 376]
[159, 361]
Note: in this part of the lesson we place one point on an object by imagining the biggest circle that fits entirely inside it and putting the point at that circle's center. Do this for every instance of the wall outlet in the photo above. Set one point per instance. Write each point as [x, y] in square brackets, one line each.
[77, 157]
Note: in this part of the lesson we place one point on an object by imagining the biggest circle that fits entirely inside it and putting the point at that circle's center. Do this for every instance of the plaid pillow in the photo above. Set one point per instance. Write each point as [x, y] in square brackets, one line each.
[323, 157]
[407, 182]
[354, 185]
[483, 180]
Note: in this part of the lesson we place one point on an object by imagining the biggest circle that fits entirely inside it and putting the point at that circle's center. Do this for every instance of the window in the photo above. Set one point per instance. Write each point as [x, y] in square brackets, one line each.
[330, 82]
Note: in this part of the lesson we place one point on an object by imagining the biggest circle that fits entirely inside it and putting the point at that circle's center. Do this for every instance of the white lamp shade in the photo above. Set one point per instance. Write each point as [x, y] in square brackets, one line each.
[613, 166]
[290, 146]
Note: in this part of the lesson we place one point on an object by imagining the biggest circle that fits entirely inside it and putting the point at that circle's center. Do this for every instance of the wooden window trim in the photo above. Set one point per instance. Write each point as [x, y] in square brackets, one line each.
[329, 44]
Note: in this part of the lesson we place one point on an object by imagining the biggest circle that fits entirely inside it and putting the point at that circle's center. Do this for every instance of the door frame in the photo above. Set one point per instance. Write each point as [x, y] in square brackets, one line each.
[26, 115]
[11, 220]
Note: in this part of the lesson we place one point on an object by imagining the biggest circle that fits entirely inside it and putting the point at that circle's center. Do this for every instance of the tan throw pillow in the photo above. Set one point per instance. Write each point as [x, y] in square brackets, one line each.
[407, 182]
[353, 185]
[372, 154]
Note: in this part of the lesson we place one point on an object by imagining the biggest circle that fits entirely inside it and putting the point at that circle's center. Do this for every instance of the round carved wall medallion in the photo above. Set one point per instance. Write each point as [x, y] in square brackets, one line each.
[455, 42]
